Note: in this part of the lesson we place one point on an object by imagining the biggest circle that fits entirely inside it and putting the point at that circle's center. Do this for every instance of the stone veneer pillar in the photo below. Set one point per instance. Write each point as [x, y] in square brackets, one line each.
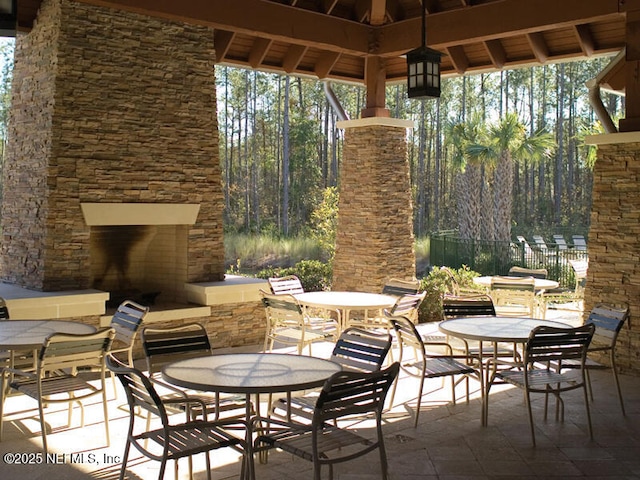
[614, 247]
[374, 241]
[108, 107]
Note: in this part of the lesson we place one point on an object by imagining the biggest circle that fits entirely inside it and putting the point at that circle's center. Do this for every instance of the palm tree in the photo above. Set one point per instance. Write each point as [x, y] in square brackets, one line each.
[501, 146]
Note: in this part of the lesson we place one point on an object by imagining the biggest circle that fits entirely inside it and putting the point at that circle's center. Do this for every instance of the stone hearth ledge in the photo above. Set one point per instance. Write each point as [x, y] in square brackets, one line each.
[25, 304]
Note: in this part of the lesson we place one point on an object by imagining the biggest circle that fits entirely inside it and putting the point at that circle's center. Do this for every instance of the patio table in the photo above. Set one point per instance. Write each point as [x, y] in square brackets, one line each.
[493, 329]
[29, 335]
[250, 374]
[346, 302]
[540, 284]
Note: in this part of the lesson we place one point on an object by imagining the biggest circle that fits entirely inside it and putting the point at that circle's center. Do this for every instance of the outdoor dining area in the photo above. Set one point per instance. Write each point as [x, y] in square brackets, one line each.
[477, 395]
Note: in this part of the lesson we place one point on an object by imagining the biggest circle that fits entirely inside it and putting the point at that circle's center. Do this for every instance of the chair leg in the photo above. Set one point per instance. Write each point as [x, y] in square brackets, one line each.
[586, 404]
[415, 424]
[43, 426]
[614, 369]
[106, 413]
[533, 431]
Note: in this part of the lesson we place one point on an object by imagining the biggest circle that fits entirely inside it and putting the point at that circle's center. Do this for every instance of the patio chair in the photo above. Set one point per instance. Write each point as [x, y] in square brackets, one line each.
[608, 321]
[422, 364]
[516, 271]
[564, 298]
[289, 285]
[163, 346]
[541, 244]
[356, 350]
[546, 346]
[288, 324]
[345, 395]
[318, 318]
[126, 322]
[471, 306]
[397, 287]
[63, 375]
[171, 441]
[514, 296]
[14, 358]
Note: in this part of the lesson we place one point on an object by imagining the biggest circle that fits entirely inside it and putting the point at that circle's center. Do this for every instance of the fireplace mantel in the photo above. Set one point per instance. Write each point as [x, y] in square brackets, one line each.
[103, 214]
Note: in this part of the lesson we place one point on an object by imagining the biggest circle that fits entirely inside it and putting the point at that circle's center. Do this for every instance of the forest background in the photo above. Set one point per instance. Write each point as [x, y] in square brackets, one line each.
[281, 151]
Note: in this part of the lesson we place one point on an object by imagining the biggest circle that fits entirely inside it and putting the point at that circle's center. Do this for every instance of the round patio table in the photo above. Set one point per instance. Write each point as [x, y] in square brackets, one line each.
[30, 334]
[540, 284]
[346, 302]
[493, 330]
[250, 374]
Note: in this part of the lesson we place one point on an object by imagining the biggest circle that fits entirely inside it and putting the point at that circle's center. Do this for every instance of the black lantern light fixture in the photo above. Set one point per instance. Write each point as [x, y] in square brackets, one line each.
[423, 68]
[8, 18]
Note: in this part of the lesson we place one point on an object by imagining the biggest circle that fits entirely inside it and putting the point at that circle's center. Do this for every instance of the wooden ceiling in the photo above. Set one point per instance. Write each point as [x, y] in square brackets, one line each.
[338, 39]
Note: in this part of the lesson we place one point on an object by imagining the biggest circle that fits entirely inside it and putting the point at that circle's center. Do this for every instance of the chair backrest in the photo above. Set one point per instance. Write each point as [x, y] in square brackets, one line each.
[560, 242]
[69, 351]
[166, 345]
[408, 336]
[540, 243]
[408, 304]
[139, 389]
[516, 271]
[468, 306]
[579, 243]
[551, 344]
[452, 285]
[361, 350]
[127, 320]
[4, 310]
[353, 393]
[519, 291]
[289, 285]
[397, 287]
[527, 247]
[608, 321]
[282, 309]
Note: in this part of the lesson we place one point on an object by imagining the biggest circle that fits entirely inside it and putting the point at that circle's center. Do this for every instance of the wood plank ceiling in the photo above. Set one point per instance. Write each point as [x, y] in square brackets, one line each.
[334, 39]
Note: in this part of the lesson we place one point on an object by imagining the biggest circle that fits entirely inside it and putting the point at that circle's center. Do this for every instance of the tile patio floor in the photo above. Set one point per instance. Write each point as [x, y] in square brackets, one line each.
[449, 442]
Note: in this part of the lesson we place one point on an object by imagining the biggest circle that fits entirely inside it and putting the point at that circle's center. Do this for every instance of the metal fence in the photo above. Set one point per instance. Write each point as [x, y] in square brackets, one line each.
[496, 258]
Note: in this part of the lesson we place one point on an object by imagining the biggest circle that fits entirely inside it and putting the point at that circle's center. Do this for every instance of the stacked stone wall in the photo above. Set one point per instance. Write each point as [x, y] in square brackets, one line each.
[375, 233]
[614, 247]
[108, 106]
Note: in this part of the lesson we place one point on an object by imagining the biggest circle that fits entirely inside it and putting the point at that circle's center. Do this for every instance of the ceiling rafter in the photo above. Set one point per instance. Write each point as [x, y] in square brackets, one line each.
[259, 51]
[586, 39]
[459, 59]
[293, 57]
[325, 64]
[496, 53]
[222, 41]
[378, 12]
[538, 46]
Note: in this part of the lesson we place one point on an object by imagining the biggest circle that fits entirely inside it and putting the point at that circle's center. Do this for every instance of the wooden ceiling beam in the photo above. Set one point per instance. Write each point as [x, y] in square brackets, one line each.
[538, 46]
[325, 63]
[585, 39]
[490, 21]
[259, 51]
[458, 59]
[378, 12]
[293, 57]
[496, 53]
[221, 43]
[257, 18]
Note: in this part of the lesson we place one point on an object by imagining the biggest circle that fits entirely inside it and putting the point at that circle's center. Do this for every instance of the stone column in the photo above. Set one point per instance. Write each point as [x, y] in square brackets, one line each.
[374, 241]
[614, 249]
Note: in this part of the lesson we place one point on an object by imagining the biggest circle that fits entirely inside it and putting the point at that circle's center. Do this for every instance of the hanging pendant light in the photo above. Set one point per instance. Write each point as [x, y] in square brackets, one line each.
[423, 68]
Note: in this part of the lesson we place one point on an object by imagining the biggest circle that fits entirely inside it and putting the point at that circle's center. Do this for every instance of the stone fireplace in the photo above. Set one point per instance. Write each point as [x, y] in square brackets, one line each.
[112, 178]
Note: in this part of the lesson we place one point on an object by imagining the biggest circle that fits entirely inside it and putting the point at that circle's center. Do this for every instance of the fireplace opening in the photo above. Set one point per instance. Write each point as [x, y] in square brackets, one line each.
[144, 263]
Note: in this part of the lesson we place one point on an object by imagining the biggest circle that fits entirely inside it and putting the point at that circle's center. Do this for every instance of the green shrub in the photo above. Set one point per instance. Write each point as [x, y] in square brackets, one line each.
[313, 274]
[439, 282]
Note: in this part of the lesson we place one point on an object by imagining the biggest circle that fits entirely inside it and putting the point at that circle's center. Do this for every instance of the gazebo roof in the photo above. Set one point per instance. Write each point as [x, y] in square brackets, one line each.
[334, 39]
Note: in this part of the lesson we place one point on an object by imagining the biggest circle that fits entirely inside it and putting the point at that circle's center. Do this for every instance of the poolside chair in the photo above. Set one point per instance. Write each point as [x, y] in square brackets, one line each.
[288, 285]
[63, 374]
[356, 350]
[579, 243]
[608, 321]
[567, 298]
[171, 441]
[516, 271]
[560, 242]
[325, 441]
[419, 363]
[536, 374]
[288, 324]
[14, 358]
